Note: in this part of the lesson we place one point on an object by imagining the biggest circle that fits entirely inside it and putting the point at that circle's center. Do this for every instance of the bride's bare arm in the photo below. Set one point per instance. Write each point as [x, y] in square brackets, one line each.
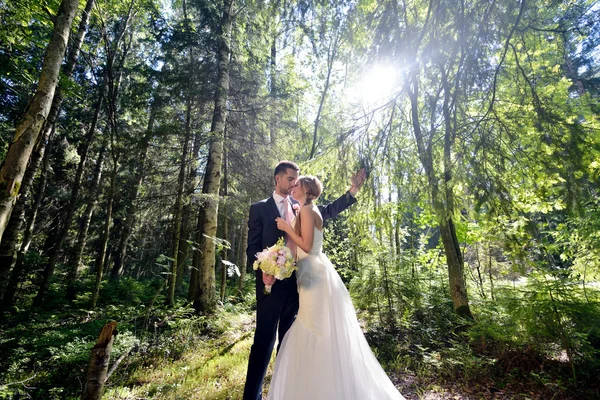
[305, 240]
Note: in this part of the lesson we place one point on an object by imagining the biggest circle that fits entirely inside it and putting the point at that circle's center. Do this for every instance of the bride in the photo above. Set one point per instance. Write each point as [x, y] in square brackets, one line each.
[324, 355]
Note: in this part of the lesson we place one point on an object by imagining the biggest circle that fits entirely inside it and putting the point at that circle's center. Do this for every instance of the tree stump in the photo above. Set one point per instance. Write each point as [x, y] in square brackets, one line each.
[99, 359]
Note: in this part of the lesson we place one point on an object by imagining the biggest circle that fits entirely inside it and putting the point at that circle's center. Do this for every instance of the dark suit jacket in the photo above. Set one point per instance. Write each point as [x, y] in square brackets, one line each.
[263, 233]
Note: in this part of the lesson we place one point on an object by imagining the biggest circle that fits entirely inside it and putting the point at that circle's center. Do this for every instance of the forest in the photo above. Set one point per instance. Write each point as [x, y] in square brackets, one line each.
[135, 135]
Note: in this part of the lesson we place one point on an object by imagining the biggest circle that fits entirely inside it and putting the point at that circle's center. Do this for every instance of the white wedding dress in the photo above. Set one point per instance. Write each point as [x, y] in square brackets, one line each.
[324, 355]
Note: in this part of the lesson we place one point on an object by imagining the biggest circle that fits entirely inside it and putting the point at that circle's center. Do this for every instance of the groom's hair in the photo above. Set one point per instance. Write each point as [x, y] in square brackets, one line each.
[283, 166]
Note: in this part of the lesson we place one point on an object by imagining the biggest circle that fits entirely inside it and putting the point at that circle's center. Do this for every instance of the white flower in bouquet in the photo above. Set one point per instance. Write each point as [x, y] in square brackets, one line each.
[276, 260]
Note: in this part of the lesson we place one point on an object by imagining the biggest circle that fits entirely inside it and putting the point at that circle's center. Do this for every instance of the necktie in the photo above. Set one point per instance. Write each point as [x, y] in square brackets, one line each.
[288, 215]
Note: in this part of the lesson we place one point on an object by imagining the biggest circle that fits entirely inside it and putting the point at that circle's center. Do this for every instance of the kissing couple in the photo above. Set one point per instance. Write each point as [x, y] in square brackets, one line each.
[322, 352]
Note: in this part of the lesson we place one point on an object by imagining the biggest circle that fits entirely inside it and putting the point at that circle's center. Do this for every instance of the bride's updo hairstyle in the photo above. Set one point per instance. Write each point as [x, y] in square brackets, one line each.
[312, 186]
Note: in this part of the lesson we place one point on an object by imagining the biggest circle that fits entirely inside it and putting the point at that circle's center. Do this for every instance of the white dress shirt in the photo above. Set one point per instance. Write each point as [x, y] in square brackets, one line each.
[280, 203]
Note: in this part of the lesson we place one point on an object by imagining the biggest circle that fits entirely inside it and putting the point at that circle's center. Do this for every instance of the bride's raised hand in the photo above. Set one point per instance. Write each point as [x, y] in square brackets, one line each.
[282, 224]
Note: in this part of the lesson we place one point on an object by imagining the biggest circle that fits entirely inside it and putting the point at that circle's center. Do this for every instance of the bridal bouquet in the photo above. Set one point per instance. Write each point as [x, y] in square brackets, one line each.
[276, 260]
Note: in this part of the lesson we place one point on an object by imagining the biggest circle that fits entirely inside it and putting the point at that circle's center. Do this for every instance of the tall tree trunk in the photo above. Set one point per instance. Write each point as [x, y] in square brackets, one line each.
[454, 255]
[9, 239]
[141, 253]
[479, 280]
[106, 232]
[194, 289]
[234, 242]
[397, 227]
[206, 298]
[113, 75]
[77, 254]
[187, 213]
[43, 182]
[241, 253]
[490, 272]
[70, 212]
[132, 208]
[444, 214]
[182, 253]
[224, 255]
[107, 257]
[29, 127]
[183, 245]
[51, 236]
[274, 109]
[178, 209]
[16, 275]
[19, 267]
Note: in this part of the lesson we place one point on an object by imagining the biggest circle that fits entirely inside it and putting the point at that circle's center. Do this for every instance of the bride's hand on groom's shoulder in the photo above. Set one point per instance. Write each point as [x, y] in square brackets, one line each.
[282, 224]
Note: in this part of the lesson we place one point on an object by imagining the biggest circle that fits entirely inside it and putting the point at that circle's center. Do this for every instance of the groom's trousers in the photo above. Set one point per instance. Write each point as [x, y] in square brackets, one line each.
[275, 309]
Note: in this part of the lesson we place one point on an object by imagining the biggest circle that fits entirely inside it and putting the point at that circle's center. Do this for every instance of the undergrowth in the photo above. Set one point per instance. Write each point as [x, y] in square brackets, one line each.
[512, 347]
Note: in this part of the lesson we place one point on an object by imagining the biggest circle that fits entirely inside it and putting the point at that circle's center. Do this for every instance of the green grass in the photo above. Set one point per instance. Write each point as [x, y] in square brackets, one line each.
[214, 369]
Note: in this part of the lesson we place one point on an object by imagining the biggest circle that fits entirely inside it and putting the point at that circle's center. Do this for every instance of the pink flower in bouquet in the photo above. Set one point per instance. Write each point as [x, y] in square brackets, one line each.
[263, 255]
[281, 260]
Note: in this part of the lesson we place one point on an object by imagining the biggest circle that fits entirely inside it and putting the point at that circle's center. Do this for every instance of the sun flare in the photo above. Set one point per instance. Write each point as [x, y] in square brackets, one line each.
[376, 86]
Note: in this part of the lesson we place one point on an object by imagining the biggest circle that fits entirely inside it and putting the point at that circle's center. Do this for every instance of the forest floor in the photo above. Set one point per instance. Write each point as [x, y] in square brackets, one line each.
[215, 370]
[175, 354]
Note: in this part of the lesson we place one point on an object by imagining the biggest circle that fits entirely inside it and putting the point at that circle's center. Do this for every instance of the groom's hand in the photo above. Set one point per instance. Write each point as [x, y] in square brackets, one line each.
[268, 280]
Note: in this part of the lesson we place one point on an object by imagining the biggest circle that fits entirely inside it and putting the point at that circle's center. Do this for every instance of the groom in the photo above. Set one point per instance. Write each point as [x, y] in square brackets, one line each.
[281, 306]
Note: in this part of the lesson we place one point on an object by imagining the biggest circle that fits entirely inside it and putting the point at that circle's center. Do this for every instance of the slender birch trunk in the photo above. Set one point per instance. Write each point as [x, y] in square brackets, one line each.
[32, 122]
[10, 243]
[183, 246]
[186, 226]
[178, 209]
[454, 259]
[194, 289]
[206, 298]
[8, 255]
[224, 256]
[225, 194]
[274, 110]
